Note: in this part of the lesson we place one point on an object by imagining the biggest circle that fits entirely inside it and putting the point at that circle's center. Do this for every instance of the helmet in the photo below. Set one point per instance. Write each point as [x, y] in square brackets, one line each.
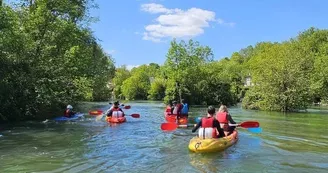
[69, 107]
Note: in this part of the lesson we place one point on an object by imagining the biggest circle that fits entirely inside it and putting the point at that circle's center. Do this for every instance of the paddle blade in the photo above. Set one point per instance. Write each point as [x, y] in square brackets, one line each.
[127, 107]
[250, 124]
[255, 130]
[135, 115]
[99, 117]
[169, 126]
[197, 119]
[95, 112]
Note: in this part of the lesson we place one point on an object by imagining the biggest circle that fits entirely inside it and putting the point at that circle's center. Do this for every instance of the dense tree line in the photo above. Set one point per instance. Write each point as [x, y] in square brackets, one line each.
[286, 76]
[49, 58]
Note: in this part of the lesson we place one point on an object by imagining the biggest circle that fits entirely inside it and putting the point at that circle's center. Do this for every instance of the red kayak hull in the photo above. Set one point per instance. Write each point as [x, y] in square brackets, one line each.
[172, 118]
[116, 120]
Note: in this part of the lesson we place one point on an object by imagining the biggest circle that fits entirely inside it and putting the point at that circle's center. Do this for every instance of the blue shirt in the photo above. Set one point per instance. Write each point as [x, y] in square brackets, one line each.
[185, 109]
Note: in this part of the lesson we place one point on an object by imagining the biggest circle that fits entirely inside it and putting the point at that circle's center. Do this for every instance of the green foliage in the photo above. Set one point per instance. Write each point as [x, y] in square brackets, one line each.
[157, 89]
[138, 85]
[121, 74]
[281, 77]
[49, 58]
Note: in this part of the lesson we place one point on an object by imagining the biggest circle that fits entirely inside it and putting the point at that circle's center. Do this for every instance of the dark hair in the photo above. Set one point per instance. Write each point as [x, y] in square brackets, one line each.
[175, 102]
[116, 103]
[211, 110]
[183, 101]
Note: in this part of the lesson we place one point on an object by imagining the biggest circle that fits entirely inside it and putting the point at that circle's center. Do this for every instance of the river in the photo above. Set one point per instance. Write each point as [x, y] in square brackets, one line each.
[294, 142]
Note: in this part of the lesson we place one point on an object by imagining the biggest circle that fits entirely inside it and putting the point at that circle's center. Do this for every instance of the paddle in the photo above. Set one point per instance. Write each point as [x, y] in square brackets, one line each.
[173, 126]
[197, 119]
[135, 115]
[255, 130]
[132, 115]
[246, 124]
[96, 112]
[127, 107]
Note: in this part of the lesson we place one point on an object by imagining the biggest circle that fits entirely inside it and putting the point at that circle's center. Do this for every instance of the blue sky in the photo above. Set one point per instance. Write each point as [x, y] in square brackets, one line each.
[138, 32]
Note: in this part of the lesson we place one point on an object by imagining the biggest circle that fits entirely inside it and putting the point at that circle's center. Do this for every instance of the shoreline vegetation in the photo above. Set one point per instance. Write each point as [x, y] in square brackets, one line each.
[49, 58]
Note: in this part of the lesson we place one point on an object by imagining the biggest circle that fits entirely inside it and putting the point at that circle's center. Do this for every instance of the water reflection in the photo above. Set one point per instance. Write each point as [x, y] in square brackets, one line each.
[288, 143]
[205, 162]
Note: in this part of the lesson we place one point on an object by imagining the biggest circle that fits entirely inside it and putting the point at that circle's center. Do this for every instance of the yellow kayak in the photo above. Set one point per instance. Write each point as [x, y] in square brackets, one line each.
[200, 145]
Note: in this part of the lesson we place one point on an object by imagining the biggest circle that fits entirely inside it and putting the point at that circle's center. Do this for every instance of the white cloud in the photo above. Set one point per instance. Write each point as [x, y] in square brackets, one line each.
[222, 22]
[178, 23]
[130, 67]
[157, 8]
[110, 51]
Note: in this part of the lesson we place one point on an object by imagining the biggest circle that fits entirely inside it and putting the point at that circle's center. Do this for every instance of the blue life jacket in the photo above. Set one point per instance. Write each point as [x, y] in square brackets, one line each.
[185, 109]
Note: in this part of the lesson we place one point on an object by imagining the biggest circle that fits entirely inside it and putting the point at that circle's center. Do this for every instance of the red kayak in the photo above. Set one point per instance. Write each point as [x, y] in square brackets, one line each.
[116, 120]
[172, 118]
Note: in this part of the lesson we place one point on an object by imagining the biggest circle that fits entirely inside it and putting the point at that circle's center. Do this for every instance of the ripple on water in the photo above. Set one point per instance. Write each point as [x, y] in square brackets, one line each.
[140, 146]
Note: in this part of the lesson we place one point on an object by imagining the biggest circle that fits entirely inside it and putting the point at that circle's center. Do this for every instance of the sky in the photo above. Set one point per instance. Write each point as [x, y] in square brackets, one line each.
[137, 32]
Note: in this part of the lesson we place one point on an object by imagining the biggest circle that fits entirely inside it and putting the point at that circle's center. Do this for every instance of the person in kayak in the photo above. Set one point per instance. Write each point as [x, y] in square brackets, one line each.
[185, 108]
[112, 105]
[210, 127]
[169, 108]
[224, 117]
[115, 111]
[69, 111]
[177, 107]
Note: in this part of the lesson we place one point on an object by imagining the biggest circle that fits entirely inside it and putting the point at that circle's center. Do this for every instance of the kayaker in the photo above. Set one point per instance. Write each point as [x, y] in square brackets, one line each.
[69, 111]
[210, 127]
[185, 108]
[112, 105]
[224, 117]
[115, 111]
[169, 109]
[177, 107]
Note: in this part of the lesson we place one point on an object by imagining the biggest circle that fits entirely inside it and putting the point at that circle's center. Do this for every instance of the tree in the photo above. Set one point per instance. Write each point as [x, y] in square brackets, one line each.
[121, 74]
[182, 66]
[281, 81]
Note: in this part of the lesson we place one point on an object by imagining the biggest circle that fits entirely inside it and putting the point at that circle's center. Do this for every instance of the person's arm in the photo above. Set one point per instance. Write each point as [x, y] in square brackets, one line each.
[110, 113]
[121, 111]
[197, 126]
[216, 124]
[230, 119]
[180, 108]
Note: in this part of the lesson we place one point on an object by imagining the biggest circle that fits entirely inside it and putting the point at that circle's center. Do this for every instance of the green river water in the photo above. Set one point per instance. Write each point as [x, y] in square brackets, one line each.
[296, 142]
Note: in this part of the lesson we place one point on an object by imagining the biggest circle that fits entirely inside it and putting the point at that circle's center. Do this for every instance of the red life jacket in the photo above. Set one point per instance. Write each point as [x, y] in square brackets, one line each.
[207, 123]
[168, 109]
[222, 118]
[66, 114]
